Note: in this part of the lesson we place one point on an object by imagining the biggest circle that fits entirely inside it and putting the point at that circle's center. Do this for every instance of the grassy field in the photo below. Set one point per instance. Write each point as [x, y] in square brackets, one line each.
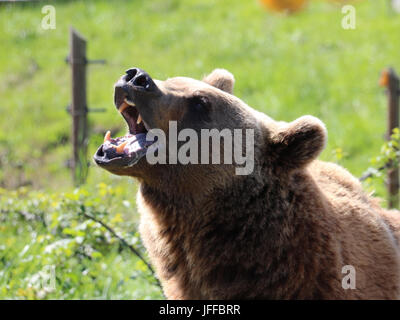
[40, 232]
[285, 66]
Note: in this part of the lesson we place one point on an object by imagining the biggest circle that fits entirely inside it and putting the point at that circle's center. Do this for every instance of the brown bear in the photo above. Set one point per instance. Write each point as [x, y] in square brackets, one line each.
[292, 228]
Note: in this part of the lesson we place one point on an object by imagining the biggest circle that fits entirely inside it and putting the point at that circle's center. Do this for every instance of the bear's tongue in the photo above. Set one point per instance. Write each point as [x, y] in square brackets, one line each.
[128, 145]
[131, 146]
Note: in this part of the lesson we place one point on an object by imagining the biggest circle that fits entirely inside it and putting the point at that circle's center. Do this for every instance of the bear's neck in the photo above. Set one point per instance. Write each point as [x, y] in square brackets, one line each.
[241, 199]
[254, 220]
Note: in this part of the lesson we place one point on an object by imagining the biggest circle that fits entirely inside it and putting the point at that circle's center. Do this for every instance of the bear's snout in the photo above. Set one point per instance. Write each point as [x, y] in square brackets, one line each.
[129, 85]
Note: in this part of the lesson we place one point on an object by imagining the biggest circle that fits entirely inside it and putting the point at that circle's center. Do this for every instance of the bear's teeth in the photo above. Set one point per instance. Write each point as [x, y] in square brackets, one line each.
[129, 103]
[139, 119]
[123, 107]
[107, 137]
[120, 148]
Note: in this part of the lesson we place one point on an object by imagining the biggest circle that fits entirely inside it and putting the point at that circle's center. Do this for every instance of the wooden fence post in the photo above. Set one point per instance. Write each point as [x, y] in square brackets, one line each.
[78, 108]
[393, 122]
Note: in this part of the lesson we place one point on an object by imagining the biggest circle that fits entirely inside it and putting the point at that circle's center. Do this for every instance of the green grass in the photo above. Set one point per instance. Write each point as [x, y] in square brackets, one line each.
[285, 66]
[39, 232]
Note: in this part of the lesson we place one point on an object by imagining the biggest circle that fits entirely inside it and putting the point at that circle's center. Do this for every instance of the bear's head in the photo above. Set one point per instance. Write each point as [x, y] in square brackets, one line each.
[186, 122]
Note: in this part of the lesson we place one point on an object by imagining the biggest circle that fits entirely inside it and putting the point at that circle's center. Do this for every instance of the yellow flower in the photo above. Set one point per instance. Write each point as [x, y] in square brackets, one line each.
[284, 5]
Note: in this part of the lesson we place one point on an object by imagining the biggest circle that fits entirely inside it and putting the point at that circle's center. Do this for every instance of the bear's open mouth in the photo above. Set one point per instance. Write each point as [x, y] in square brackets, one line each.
[130, 148]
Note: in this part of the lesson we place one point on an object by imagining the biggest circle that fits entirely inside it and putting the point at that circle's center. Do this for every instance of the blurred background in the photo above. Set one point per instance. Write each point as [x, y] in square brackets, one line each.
[289, 58]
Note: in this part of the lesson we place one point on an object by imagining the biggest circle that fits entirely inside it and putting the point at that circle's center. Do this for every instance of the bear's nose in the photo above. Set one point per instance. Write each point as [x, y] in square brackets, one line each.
[139, 78]
[134, 84]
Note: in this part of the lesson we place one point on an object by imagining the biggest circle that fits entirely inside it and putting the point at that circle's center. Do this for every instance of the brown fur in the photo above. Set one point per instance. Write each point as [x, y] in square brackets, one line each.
[283, 232]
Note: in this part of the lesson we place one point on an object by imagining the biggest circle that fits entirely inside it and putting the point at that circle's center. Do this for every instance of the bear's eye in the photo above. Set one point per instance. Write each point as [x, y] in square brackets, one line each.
[199, 103]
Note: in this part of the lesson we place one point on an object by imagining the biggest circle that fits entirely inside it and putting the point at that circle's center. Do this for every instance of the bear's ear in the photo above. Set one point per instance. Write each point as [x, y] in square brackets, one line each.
[299, 142]
[221, 79]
